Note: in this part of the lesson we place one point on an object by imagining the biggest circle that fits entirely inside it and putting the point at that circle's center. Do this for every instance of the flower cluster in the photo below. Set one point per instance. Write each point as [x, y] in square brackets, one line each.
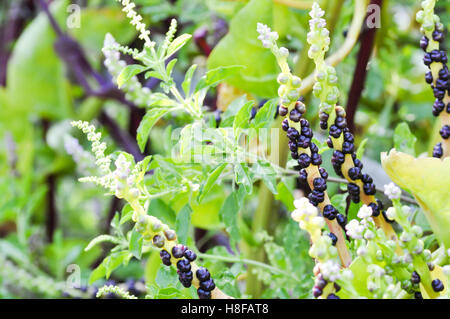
[438, 77]
[136, 20]
[141, 96]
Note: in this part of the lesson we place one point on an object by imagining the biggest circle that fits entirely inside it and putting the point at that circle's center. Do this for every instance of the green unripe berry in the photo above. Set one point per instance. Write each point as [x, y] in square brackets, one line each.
[283, 78]
[296, 82]
[282, 90]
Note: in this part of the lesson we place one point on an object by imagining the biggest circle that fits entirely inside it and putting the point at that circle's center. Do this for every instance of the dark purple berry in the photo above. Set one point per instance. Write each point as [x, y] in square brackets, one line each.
[329, 212]
[190, 255]
[429, 77]
[445, 132]
[317, 292]
[313, 147]
[333, 238]
[369, 189]
[304, 141]
[285, 125]
[335, 131]
[316, 159]
[375, 209]
[341, 219]
[415, 278]
[323, 172]
[202, 294]
[333, 296]
[295, 115]
[178, 251]
[348, 148]
[437, 285]
[437, 150]
[354, 173]
[184, 265]
[282, 110]
[303, 176]
[304, 160]
[320, 184]
[424, 43]
[366, 178]
[340, 122]
[202, 274]
[353, 189]
[292, 133]
[207, 285]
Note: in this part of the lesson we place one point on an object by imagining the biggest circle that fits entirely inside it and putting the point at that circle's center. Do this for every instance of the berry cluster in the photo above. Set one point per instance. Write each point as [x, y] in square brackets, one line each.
[438, 76]
[306, 154]
[319, 288]
[184, 257]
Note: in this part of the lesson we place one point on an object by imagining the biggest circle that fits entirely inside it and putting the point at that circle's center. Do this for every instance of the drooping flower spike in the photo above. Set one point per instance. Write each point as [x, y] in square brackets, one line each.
[438, 77]
[344, 160]
[300, 141]
[125, 182]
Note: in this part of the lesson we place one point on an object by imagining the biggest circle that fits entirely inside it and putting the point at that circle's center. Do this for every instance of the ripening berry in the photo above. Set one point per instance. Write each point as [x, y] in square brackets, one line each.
[424, 43]
[295, 115]
[282, 110]
[178, 251]
[158, 241]
[317, 292]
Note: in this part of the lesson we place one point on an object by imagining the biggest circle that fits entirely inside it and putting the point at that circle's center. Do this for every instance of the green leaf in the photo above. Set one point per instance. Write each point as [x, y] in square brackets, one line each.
[267, 173]
[242, 177]
[242, 47]
[229, 213]
[265, 115]
[217, 75]
[177, 44]
[211, 180]
[186, 85]
[170, 66]
[242, 118]
[97, 273]
[101, 239]
[128, 72]
[361, 148]
[114, 260]
[149, 120]
[182, 224]
[284, 194]
[404, 140]
[135, 244]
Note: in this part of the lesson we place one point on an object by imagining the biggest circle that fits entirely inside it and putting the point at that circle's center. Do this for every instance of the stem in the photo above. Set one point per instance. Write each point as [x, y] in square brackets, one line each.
[359, 76]
[249, 262]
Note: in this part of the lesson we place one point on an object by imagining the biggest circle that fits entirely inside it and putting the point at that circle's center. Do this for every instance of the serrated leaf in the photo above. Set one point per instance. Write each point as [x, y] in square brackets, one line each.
[265, 115]
[217, 75]
[242, 118]
[114, 260]
[128, 72]
[182, 223]
[211, 180]
[135, 244]
[177, 44]
[242, 176]
[229, 215]
[149, 120]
